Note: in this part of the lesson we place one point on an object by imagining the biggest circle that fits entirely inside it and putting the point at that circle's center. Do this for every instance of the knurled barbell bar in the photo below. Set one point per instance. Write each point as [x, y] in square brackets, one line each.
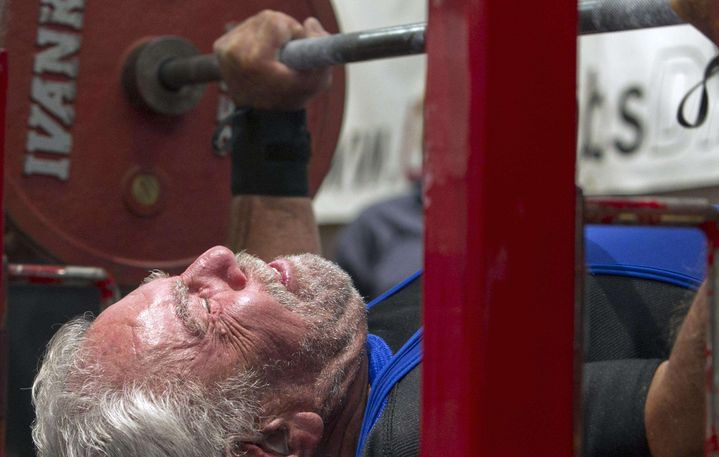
[165, 73]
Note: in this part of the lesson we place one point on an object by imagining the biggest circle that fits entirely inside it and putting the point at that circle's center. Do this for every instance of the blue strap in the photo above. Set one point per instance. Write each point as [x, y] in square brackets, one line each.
[654, 274]
[408, 357]
[379, 355]
[394, 289]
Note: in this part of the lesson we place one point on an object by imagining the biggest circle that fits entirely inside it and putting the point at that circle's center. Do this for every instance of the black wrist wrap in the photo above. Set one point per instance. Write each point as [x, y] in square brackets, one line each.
[270, 153]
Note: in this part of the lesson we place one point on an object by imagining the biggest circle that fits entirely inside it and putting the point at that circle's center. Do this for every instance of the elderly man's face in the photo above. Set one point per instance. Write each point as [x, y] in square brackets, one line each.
[219, 314]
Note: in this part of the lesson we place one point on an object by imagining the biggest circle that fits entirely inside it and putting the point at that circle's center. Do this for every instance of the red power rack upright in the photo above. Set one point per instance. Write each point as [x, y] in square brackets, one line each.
[498, 373]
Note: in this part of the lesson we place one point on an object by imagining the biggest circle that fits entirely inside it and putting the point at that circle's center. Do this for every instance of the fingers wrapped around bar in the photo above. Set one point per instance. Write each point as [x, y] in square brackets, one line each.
[248, 63]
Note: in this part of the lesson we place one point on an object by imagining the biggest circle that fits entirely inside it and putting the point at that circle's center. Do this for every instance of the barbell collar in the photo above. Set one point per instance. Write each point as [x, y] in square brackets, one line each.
[142, 76]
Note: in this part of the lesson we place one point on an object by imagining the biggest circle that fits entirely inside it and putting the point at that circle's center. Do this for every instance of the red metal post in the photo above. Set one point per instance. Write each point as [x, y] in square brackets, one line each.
[498, 373]
[67, 275]
[4, 352]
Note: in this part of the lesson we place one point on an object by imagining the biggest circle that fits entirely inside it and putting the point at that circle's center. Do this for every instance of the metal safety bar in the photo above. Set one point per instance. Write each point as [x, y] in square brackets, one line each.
[69, 276]
[677, 213]
[644, 211]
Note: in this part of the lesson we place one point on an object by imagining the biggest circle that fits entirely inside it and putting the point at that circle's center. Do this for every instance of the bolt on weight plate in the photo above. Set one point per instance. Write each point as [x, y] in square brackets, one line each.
[144, 192]
[94, 180]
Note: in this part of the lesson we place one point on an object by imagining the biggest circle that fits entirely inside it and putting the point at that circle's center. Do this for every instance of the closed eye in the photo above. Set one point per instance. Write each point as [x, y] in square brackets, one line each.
[206, 302]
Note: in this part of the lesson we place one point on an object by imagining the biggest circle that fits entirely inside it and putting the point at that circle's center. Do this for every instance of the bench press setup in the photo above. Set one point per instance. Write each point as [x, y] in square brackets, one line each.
[108, 134]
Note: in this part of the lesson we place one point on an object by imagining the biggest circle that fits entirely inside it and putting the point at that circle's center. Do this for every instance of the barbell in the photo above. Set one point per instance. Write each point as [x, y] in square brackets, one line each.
[93, 180]
[165, 74]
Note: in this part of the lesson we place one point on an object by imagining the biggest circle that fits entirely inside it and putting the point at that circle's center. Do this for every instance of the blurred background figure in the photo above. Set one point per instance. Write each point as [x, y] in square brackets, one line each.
[383, 245]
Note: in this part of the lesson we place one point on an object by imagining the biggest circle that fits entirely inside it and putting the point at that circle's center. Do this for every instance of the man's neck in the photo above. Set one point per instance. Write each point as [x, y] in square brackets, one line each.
[342, 434]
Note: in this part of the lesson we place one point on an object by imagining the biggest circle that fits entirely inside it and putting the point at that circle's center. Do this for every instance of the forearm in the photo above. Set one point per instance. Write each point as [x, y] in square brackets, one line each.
[271, 226]
[675, 408]
[271, 212]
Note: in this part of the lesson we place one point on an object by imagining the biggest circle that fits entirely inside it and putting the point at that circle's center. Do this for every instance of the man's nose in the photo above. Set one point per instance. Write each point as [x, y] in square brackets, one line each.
[216, 268]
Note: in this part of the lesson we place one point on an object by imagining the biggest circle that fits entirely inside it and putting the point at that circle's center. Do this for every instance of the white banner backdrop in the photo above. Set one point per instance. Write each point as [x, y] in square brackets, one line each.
[374, 147]
[630, 87]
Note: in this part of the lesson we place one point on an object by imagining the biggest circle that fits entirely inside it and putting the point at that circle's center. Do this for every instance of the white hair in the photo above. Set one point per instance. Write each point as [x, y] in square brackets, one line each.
[80, 415]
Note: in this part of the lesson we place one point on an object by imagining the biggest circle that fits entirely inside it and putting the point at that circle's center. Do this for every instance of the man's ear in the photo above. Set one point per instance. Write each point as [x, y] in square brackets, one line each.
[296, 435]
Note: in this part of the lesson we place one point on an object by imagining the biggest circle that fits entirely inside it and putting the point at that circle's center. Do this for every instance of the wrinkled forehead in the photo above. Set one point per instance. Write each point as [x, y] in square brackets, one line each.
[121, 336]
[160, 290]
